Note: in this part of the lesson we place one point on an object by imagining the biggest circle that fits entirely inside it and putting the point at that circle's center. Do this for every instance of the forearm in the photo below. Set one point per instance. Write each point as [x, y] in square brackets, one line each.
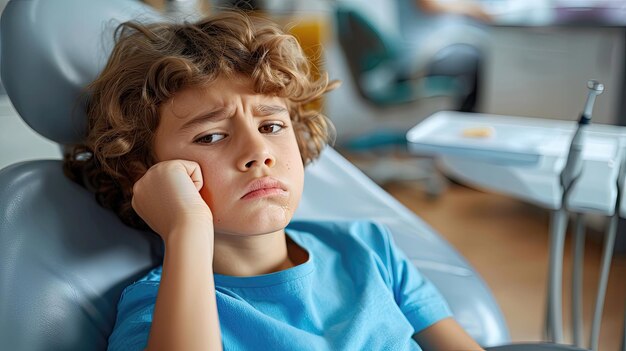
[444, 335]
[185, 315]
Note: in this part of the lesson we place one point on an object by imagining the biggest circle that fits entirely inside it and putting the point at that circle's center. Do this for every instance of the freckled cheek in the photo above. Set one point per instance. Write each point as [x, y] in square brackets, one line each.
[295, 171]
[288, 150]
[293, 157]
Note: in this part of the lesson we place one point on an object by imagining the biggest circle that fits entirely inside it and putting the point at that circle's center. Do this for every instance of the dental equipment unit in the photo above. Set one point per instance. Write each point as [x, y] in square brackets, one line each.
[567, 169]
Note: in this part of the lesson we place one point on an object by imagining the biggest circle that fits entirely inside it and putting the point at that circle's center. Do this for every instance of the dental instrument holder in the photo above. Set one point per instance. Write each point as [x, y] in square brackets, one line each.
[570, 174]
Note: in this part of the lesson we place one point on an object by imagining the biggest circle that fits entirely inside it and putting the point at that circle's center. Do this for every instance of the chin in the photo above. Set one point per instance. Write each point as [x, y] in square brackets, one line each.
[249, 224]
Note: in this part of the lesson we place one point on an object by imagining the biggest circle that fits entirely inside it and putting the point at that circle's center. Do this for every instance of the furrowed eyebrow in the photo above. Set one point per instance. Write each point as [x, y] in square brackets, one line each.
[213, 116]
[224, 113]
[268, 110]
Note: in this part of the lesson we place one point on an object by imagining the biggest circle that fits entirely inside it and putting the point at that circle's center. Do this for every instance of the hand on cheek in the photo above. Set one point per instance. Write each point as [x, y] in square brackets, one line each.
[167, 196]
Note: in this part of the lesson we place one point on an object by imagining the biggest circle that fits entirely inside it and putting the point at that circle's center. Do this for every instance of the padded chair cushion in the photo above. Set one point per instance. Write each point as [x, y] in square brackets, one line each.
[52, 53]
[64, 261]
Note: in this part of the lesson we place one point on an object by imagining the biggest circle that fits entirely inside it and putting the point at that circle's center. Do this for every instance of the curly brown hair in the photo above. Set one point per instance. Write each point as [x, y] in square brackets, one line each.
[150, 63]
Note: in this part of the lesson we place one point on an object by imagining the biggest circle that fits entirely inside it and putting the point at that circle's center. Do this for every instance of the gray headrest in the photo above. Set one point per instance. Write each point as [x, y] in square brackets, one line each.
[51, 50]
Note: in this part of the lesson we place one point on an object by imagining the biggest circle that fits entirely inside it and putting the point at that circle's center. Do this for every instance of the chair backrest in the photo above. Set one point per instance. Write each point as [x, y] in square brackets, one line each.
[51, 50]
[365, 45]
[64, 260]
[384, 70]
[376, 62]
[380, 69]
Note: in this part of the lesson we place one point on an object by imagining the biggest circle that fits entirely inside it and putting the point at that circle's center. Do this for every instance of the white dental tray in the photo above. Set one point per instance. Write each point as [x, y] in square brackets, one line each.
[498, 139]
[524, 157]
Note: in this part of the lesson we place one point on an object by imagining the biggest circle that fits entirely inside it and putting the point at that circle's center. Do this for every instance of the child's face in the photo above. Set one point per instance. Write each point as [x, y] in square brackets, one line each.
[242, 141]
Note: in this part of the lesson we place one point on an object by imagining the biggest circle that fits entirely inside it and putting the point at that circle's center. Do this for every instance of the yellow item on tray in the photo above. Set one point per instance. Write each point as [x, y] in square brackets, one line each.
[478, 132]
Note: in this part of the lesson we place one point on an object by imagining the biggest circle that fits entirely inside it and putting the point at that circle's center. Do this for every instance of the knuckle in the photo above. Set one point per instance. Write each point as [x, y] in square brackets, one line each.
[136, 186]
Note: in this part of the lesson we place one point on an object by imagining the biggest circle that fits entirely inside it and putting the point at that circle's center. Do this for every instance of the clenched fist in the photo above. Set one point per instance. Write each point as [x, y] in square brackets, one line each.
[167, 197]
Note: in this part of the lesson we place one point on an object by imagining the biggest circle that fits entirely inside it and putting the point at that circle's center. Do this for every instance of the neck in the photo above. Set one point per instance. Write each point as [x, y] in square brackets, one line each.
[255, 255]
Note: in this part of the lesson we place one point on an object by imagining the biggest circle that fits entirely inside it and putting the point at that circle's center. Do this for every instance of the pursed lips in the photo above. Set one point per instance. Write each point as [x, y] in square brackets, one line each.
[265, 186]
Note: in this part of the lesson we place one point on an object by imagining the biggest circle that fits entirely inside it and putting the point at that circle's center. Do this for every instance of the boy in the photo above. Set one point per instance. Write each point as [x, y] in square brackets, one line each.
[201, 132]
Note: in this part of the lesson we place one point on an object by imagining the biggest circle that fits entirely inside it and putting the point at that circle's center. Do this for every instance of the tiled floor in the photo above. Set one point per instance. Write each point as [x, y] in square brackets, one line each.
[507, 242]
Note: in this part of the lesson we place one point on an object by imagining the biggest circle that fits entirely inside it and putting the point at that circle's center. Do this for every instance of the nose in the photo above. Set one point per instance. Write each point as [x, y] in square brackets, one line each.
[255, 151]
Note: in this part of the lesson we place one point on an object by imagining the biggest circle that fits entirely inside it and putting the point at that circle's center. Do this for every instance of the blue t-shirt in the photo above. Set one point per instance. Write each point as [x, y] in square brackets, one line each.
[357, 291]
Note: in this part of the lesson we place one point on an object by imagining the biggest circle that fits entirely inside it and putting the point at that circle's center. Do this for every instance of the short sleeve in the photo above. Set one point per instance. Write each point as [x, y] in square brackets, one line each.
[420, 301]
[134, 317]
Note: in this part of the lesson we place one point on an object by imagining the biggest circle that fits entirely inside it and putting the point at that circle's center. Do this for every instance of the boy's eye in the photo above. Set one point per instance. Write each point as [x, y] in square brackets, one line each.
[210, 138]
[271, 128]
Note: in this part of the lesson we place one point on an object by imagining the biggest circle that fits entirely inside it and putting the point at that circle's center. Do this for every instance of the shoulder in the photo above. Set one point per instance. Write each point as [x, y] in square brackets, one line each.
[134, 313]
[145, 288]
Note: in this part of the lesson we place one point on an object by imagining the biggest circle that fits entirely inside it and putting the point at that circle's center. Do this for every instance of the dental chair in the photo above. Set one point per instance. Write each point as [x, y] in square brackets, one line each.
[64, 260]
[383, 71]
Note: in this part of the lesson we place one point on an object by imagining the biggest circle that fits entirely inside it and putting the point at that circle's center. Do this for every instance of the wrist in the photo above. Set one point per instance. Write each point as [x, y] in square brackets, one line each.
[194, 231]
